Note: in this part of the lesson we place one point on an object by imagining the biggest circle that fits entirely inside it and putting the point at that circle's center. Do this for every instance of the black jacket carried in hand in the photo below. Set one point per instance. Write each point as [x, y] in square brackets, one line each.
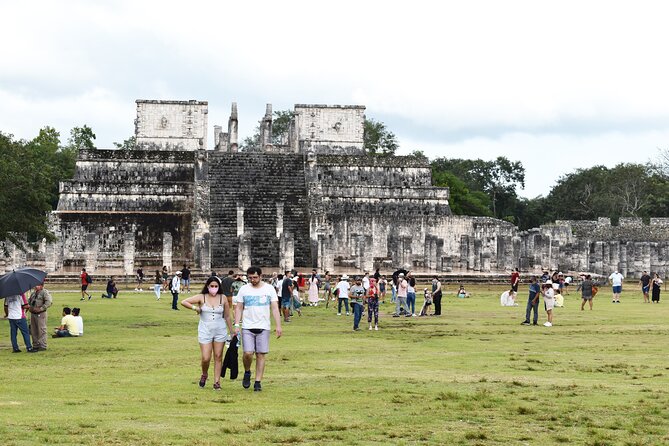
[231, 359]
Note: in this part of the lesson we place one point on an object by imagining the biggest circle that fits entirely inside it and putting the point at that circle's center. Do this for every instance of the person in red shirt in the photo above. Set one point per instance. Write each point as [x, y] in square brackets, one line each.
[84, 284]
[515, 280]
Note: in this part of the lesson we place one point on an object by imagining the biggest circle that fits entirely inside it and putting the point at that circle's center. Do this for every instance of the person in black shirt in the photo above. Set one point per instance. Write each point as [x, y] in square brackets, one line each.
[185, 277]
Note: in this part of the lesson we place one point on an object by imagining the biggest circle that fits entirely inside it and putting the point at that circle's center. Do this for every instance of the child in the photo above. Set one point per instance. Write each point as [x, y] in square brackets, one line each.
[79, 319]
[426, 303]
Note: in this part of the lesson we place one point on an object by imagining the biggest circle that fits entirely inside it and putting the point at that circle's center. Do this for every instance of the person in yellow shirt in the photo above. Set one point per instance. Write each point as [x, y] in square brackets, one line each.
[68, 325]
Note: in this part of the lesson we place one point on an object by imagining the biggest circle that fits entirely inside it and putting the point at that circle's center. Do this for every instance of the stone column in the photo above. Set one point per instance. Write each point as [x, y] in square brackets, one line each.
[217, 137]
[244, 252]
[287, 254]
[92, 251]
[167, 250]
[266, 129]
[327, 263]
[233, 131]
[240, 219]
[203, 249]
[128, 253]
[279, 219]
[366, 258]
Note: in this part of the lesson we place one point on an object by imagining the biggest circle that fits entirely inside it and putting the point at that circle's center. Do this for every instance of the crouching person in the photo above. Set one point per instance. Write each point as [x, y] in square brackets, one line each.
[68, 325]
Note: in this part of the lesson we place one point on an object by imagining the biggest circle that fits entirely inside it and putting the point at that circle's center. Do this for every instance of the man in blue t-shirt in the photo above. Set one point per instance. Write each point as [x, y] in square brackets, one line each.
[532, 303]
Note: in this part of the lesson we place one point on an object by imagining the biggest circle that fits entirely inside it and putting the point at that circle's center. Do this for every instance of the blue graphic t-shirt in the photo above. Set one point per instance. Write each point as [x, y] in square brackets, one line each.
[256, 301]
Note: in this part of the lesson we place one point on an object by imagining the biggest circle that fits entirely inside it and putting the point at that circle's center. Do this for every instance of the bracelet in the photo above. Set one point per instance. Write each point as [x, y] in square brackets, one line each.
[194, 307]
[237, 325]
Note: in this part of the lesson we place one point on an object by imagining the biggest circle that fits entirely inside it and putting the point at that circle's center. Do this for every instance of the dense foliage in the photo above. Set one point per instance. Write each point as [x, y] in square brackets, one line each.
[29, 176]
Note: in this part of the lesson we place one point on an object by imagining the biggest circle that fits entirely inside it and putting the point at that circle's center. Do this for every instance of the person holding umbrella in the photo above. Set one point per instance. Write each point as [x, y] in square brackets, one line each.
[40, 301]
[15, 312]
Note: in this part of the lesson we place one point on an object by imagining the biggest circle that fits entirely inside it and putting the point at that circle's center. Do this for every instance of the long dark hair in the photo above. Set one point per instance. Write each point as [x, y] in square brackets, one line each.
[205, 290]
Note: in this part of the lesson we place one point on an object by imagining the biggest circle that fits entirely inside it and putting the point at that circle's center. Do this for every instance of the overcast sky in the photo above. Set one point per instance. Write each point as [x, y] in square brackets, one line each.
[556, 85]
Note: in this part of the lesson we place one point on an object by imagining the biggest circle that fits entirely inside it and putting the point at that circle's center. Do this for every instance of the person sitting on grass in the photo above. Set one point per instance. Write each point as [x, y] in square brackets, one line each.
[462, 293]
[68, 325]
[79, 319]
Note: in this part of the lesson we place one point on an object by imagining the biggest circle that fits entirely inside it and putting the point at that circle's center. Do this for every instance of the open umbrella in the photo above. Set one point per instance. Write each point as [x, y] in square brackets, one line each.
[19, 281]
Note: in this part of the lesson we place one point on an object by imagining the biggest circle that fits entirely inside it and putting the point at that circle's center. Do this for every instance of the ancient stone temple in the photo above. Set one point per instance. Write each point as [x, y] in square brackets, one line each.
[312, 199]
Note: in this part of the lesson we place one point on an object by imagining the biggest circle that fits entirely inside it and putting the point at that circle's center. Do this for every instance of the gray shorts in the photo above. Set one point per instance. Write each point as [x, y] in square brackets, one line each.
[255, 342]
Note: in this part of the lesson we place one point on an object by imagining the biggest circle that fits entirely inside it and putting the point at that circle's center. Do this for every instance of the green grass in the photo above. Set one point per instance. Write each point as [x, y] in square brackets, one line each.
[472, 377]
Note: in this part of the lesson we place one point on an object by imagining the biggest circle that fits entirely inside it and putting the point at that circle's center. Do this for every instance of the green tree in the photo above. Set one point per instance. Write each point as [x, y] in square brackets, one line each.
[626, 190]
[498, 179]
[378, 140]
[127, 144]
[462, 201]
[82, 138]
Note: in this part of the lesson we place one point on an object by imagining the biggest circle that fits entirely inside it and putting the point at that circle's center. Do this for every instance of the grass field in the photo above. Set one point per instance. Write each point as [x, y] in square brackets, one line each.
[474, 376]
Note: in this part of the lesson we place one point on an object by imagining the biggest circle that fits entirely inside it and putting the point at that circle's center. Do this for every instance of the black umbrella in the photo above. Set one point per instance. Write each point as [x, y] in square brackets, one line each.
[19, 281]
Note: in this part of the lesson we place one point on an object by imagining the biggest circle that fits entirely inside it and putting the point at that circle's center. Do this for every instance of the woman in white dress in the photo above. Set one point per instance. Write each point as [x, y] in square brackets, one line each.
[313, 289]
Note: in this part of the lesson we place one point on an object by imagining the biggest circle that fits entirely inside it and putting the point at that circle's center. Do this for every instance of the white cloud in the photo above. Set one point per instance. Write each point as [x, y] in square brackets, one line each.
[440, 72]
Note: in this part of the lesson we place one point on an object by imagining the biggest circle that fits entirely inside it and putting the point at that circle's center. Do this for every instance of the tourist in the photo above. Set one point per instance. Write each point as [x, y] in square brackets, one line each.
[586, 288]
[274, 280]
[212, 329]
[462, 293]
[411, 296]
[226, 286]
[401, 304]
[373, 304]
[515, 280]
[185, 278]
[252, 310]
[68, 325]
[342, 290]
[616, 280]
[140, 279]
[287, 287]
[644, 281]
[313, 288]
[436, 295]
[112, 290]
[657, 282]
[365, 281]
[547, 292]
[175, 289]
[327, 288]
[508, 298]
[40, 301]
[382, 283]
[377, 276]
[157, 284]
[532, 303]
[427, 302]
[166, 282]
[85, 281]
[296, 303]
[79, 320]
[15, 311]
[240, 281]
[357, 295]
[544, 277]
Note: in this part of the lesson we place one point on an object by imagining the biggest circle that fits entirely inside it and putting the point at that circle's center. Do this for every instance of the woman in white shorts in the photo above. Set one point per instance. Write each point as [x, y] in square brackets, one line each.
[214, 326]
[549, 302]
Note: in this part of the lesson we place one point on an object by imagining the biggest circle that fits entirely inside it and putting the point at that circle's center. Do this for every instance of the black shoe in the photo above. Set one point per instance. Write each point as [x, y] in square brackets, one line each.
[246, 380]
[257, 387]
[32, 350]
[534, 323]
[41, 349]
[16, 351]
[525, 323]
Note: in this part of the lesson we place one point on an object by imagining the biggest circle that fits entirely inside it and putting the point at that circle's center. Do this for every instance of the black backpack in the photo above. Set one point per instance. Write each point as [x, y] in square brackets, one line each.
[89, 279]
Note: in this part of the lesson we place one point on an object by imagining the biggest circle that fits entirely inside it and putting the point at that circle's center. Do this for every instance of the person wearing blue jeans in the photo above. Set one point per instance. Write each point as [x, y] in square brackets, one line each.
[411, 301]
[15, 312]
[357, 294]
[532, 303]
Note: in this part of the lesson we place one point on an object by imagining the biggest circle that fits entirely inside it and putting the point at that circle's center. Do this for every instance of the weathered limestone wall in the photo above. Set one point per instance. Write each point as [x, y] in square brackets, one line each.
[171, 125]
[329, 129]
[117, 194]
[596, 246]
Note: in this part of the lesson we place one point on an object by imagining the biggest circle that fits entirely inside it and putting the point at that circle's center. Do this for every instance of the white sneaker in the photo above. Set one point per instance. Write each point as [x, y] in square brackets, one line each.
[338, 314]
[547, 324]
[414, 315]
[376, 327]
[348, 314]
[370, 327]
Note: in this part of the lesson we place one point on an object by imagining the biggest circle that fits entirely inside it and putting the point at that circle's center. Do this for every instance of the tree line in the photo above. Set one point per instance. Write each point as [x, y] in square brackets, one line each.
[31, 170]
